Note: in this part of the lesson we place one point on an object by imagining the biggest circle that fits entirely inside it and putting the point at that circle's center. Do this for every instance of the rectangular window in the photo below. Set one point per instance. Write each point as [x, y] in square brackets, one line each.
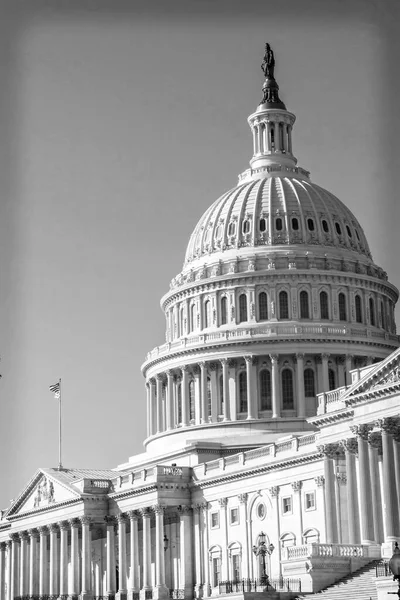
[214, 520]
[234, 516]
[216, 571]
[236, 567]
[309, 501]
[287, 505]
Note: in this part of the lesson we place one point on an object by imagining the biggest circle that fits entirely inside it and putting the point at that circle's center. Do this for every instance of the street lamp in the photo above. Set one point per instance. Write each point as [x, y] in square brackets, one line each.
[261, 549]
[166, 542]
[394, 566]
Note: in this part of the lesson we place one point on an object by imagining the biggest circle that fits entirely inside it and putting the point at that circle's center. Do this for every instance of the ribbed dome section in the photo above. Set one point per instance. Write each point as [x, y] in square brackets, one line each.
[276, 211]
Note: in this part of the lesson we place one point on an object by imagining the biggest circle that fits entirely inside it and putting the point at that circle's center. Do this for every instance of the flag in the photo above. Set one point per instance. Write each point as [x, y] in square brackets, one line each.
[55, 389]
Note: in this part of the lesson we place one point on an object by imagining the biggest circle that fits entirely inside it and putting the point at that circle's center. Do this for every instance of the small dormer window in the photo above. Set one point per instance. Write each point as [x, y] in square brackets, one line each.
[295, 224]
[279, 224]
[246, 226]
[231, 228]
[338, 228]
[325, 226]
[263, 225]
[348, 231]
[310, 224]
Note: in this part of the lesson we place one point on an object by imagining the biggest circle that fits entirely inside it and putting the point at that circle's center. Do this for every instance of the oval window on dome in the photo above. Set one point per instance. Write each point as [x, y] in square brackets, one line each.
[246, 226]
[338, 228]
[263, 225]
[232, 228]
[348, 231]
[325, 226]
[279, 224]
[295, 224]
[310, 224]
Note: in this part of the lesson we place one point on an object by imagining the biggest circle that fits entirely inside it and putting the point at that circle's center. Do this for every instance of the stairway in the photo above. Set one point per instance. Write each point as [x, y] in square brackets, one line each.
[359, 585]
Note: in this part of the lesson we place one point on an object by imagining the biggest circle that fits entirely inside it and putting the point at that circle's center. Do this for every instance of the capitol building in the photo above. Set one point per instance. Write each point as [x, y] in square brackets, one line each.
[272, 456]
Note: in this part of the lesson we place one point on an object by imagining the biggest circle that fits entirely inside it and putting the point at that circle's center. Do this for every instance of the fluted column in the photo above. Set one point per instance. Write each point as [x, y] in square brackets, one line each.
[197, 394]
[15, 548]
[214, 392]
[153, 407]
[206, 562]
[301, 403]
[3, 548]
[349, 366]
[325, 372]
[186, 577]
[145, 512]
[23, 564]
[250, 387]
[390, 503]
[203, 392]
[198, 558]
[134, 538]
[232, 388]
[274, 493]
[43, 583]
[375, 451]
[223, 503]
[185, 396]
[149, 411]
[110, 558]
[350, 447]
[298, 509]
[161, 590]
[64, 528]
[329, 450]
[122, 578]
[170, 401]
[86, 558]
[276, 404]
[73, 588]
[159, 388]
[367, 526]
[225, 389]
[243, 522]
[53, 569]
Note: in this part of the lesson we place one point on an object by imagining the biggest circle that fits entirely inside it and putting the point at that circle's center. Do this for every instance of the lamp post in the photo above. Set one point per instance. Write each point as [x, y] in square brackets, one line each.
[394, 566]
[165, 542]
[261, 549]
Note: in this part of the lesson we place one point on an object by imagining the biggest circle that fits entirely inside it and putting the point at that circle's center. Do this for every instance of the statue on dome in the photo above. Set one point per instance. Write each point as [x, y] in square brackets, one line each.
[268, 64]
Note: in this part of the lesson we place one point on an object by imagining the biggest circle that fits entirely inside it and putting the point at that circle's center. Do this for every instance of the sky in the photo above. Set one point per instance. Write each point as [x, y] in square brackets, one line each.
[120, 123]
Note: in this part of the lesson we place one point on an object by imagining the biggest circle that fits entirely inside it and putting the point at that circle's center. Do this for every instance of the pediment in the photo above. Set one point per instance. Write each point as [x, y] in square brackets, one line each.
[42, 492]
[385, 375]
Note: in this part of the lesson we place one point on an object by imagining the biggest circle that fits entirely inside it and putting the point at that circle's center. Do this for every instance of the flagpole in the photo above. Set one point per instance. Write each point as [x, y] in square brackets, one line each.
[59, 429]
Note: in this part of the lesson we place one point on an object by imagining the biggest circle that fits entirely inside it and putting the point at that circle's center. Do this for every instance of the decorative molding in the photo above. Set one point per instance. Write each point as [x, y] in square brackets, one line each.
[243, 498]
[274, 491]
[341, 478]
[297, 485]
[223, 502]
[319, 481]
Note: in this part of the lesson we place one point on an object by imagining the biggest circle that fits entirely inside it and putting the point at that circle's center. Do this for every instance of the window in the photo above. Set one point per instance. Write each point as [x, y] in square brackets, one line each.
[221, 395]
[263, 225]
[216, 567]
[348, 231]
[287, 390]
[265, 390]
[304, 306]
[372, 312]
[179, 403]
[208, 397]
[191, 399]
[242, 308]
[323, 302]
[246, 226]
[261, 511]
[309, 383]
[358, 309]
[234, 516]
[325, 226]
[263, 306]
[288, 539]
[357, 234]
[192, 317]
[232, 228]
[331, 379]
[243, 392]
[218, 233]
[309, 501]
[283, 305]
[278, 224]
[207, 313]
[214, 520]
[311, 536]
[310, 224]
[287, 505]
[224, 311]
[338, 229]
[236, 567]
[342, 307]
[181, 321]
[295, 224]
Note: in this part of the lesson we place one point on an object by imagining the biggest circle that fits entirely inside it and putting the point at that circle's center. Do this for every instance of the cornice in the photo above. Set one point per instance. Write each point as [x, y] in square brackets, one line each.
[333, 417]
[44, 509]
[133, 492]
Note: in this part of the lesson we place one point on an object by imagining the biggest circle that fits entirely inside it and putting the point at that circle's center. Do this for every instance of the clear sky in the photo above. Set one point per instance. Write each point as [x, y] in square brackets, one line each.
[120, 123]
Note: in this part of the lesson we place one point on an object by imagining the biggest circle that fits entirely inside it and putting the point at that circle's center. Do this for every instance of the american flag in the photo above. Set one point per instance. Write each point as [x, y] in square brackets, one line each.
[55, 389]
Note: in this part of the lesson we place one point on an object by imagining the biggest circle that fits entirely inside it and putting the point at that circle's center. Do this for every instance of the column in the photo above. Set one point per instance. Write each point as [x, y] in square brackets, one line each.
[277, 137]
[274, 493]
[396, 456]
[159, 387]
[276, 405]
[367, 525]
[8, 573]
[225, 388]
[301, 402]
[64, 527]
[214, 392]
[86, 558]
[148, 406]
[170, 401]
[204, 392]
[110, 558]
[349, 366]
[23, 565]
[390, 506]
[250, 387]
[223, 502]
[3, 547]
[161, 590]
[15, 546]
[53, 579]
[198, 558]
[145, 512]
[197, 400]
[232, 388]
[122, 579]
[290, 138]
[350, 447]
[296, 487]
[328, 450]
[243, 523]
[153, 410]
[375, 451]
[186, 578]
[325, 373]
[73, 588]
[341, 371]
[43, 585]
[185, 396]
[134, 538]
[206, 562]
[320, 500]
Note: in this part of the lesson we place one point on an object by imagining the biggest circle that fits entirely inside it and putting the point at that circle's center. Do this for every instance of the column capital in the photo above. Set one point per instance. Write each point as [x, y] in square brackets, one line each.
[249, 358]
[330, 450]
[319, 480]
[53, 527]
[170, 373]
[159, 376]
[212, 366]
[3, 546]
[33, 533]
[74, 523]
[299, 356]
[224, 361]
[14, 537]
[274, 491]
[341, 478]
[86, 520]
[8, 544]
[196, 369]
[110, 520]
[375, 440]
[202, 364]
[361, 431]
[389, 425]
[325, 356]
[63, 525]
[184, 509]
[350, 445]
[232, 362]
[184, 368]
[274, 358]
[297, 485]
[197, 507]
[23, 535]
[133, 515]
[243, 498]
[121, 518]
[340, 360]
[349, 357]
[43, 530]
[158, 509]
[145, 512]
[223, 502]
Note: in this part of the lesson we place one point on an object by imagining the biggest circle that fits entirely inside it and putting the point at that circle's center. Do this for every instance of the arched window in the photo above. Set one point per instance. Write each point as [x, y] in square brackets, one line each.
[288, 539]
[263, 225]
[192, 317]
[179, 404]
[311, 535]
[342, 307]
[263, 306]
[207, 313]
[338, 229]
[357, 301]
[231, 228]
[324, 306]
[295, 224]
[278, 224]
[208, 397]
[221, 395]
[191, 400]
[242, 308]
[372, 312]
[309, 383]
[283, 305]
[331, 379]
[310, 224]
[287, 390]
[325, 226]
[243, 392]
[246, 226]
[265, 390]
[224, 311]
[304, 306]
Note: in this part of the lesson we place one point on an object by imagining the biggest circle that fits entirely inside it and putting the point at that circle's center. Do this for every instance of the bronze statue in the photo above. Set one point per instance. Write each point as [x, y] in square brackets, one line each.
[268, 64]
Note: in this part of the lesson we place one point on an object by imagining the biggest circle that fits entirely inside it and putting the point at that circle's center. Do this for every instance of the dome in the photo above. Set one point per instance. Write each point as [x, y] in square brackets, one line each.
[276, 210]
